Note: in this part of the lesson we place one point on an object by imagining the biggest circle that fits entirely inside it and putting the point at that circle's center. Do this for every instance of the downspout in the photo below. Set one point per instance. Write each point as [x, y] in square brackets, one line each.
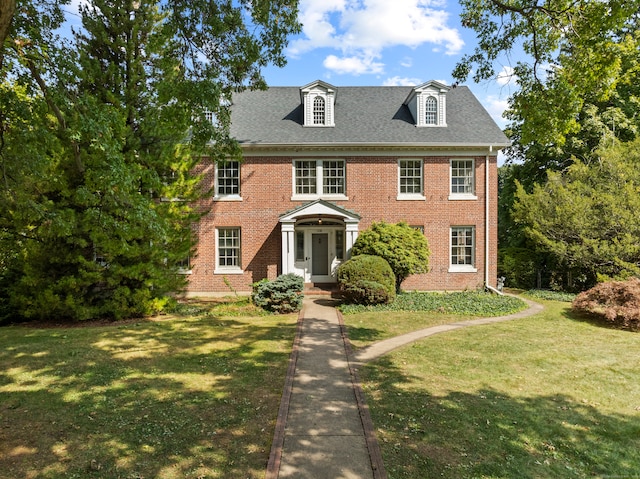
[486, 218]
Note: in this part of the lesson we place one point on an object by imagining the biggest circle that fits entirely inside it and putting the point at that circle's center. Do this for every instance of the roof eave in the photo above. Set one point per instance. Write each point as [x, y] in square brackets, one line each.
[491, 145]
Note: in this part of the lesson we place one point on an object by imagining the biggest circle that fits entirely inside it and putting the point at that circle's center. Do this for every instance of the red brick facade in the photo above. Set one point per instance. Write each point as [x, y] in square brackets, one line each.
[266, 184]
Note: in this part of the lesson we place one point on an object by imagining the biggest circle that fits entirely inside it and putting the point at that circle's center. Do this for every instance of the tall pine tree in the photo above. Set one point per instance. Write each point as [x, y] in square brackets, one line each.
[127, 111]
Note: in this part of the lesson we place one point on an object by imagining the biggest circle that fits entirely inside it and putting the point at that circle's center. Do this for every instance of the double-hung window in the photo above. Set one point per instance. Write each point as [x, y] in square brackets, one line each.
[228, 250]
[410, 179]
[228, 180]
[463, 184]
[319, 178]
[463, 243]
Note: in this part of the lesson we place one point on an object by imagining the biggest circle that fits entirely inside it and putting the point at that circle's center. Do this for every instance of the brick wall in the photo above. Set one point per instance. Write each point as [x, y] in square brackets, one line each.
[372, 190]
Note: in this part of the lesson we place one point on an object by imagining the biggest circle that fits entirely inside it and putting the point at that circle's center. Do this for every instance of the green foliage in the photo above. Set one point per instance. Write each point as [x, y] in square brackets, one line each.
[367, 279]
[519, 267]
[616, 301]
[100, 143]
[405, 248]
[576, 53]
[472, 303]
[586, 218]
[550, 295]
[283, 295]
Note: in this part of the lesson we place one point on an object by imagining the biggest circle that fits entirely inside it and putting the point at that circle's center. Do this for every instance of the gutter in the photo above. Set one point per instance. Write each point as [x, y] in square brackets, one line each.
[360, 145]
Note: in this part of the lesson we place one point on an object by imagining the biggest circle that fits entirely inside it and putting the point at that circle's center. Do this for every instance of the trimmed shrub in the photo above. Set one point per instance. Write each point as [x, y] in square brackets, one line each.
[405, 248]
[367, 279]
[283, 295]
[616, 301]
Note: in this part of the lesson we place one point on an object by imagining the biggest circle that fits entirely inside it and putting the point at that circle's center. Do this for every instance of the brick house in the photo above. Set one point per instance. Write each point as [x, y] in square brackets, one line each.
[321, 163]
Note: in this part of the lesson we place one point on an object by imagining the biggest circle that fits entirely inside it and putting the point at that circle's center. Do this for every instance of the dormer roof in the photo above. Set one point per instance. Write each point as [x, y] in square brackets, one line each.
[432, 86]
[428, 104]
[318, 100]
[317, 85]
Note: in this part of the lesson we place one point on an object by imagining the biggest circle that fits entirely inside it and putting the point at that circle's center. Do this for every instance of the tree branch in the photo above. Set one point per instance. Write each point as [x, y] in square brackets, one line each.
[56, 111]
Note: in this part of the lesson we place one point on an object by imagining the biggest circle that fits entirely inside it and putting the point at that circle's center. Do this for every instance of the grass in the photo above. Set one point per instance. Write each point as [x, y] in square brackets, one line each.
[195, 395]
[413, 311]
[192, 395]
[547, 396]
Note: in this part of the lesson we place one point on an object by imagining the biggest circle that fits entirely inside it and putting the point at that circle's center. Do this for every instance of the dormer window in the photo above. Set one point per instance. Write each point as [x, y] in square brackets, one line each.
[428, 104]
[431, 111]
[318, 103]
[318, 111]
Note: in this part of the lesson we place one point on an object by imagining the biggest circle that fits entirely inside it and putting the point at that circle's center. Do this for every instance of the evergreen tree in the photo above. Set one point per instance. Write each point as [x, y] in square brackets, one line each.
[104, 211]
[586, 217]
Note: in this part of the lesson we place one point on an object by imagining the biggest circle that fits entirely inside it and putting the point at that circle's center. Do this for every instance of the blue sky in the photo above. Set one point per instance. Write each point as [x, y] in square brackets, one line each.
[384, 42]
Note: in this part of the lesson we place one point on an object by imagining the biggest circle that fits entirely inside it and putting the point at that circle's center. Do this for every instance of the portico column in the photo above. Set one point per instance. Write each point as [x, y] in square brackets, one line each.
[351, 233]
[288, 246]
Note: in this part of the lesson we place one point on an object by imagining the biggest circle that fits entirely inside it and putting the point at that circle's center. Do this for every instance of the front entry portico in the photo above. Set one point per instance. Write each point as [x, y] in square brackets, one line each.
[316, 238]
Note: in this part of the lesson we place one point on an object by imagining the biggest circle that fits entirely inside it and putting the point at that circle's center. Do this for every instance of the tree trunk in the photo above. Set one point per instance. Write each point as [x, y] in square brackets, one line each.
[7, 9]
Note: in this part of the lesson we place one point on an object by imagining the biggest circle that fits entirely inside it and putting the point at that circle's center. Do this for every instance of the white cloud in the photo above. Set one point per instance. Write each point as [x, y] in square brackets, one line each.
[496, 106]
[364, 28]
[506, 76]
[406, 62]
[353, 65]
[399, 81]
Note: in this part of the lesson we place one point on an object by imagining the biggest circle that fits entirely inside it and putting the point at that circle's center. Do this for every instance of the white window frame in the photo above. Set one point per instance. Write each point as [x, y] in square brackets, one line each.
[320, 165]
[431, 114]
[185, 267]
[319, 110]
[411, 196]
[464, 267]
[470, 190]
[229, 269]
[222, 196]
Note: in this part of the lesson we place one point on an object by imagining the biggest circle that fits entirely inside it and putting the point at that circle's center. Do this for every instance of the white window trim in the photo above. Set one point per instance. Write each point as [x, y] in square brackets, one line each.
[225, 197]
[462, 196]
[308, 105]
[436, 113]
[412, 196]
[463, 268]
[319, 185]
[228, 269]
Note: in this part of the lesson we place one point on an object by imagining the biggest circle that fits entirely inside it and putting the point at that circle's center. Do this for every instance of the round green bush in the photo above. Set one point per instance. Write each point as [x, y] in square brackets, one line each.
[367, 279]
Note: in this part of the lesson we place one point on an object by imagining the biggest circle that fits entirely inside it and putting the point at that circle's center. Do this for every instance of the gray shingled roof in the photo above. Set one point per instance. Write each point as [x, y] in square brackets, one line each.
[363, 115]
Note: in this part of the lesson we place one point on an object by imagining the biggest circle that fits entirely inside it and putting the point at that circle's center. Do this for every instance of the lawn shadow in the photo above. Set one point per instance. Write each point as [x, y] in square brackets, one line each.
[488, 433]
[170, 398]
[594, 319]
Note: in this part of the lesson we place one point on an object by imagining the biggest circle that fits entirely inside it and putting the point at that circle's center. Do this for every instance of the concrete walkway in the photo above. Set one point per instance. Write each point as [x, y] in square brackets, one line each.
[324, 430]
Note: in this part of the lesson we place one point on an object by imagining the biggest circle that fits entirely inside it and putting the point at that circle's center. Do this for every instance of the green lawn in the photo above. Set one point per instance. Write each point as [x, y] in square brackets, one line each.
[176, 397]
[196, 396]
[549, 396]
